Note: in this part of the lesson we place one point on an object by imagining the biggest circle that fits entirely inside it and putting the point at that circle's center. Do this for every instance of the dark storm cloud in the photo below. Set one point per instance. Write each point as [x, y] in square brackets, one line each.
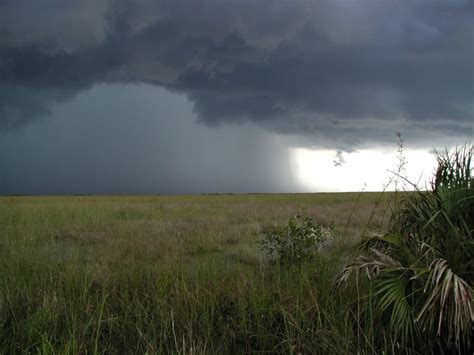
[345, 72]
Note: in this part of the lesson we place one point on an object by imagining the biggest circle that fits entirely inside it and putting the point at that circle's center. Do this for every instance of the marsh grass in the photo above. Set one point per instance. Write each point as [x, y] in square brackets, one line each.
[173, 274]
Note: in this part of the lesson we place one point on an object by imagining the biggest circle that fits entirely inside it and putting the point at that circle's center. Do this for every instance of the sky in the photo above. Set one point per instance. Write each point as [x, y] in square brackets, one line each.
[217, 96]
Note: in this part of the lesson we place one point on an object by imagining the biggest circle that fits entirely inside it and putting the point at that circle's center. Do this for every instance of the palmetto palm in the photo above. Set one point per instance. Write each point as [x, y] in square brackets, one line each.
[421, 272]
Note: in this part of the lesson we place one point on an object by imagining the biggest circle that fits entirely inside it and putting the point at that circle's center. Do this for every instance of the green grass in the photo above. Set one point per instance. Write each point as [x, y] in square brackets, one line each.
[175, 274]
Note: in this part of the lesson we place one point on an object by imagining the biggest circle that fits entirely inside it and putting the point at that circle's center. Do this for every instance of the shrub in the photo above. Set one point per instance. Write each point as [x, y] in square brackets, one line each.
[421, 272]
[299, 240]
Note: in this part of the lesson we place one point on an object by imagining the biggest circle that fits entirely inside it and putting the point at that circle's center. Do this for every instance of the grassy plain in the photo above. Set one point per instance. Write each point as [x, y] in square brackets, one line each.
[176, 274]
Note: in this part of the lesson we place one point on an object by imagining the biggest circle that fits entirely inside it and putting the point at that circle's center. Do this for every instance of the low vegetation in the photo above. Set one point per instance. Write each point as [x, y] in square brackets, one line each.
[301, 239]
[241, 273]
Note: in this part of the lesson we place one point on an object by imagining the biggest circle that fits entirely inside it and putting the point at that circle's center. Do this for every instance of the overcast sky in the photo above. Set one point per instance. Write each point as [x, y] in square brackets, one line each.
[188, 96]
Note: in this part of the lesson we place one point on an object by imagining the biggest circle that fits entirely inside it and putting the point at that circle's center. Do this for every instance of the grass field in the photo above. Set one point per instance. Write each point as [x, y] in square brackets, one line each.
[174, 274]
[187, 274]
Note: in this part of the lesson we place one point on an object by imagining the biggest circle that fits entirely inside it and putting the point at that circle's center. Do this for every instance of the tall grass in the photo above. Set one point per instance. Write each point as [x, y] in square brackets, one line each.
[169, 275]
[205, 308]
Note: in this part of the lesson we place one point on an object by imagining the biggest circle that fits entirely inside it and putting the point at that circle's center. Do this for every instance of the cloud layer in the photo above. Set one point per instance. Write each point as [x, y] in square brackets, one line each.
[339, 73]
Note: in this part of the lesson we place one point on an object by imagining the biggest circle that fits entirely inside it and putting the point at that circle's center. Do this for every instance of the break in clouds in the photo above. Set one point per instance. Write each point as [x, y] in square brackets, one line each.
[332, 73]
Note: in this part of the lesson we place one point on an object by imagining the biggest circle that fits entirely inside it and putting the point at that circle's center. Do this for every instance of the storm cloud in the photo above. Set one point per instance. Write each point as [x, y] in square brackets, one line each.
[339, 73]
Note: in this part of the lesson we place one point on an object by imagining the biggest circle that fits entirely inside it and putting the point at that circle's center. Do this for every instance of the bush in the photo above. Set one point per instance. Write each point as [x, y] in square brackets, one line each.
[421, 272]
[299, 240]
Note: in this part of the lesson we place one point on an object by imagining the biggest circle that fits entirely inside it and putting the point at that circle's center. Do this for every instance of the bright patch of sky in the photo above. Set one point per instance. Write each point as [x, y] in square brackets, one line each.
[369, 169]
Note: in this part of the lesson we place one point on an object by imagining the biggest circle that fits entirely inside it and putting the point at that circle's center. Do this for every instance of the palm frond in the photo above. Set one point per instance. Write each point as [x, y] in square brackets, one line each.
[392, 294]
[450, 302]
